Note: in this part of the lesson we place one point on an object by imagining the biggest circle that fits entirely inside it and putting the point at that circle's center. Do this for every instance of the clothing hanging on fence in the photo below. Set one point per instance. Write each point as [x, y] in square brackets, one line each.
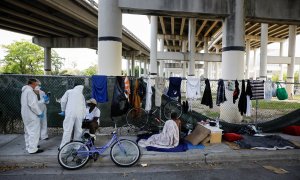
[148, 105]
[99, 88]
[236, 91]
[159, 89]
[207, 97]
[243, 100]
[268, 90]
[221, 97]
[136, 99]
[174, 87]
[258, 89]
[127, 87]
[193, 88]
[119, 104]
[248, 96]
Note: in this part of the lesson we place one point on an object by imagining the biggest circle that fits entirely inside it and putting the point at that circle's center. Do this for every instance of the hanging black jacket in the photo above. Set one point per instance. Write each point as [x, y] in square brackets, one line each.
[119, 104]
[221, 97]
[249, 89]
[243, 100]
[236, 92]
[207, 98]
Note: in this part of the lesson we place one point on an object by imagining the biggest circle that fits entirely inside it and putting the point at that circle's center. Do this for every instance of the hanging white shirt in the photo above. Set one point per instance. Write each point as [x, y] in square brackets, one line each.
[148, 96]
[249, 106]
[193, 88]
[91, 115]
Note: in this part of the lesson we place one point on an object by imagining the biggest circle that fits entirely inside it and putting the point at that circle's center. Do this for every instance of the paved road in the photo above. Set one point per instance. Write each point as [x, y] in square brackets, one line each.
[238, 170]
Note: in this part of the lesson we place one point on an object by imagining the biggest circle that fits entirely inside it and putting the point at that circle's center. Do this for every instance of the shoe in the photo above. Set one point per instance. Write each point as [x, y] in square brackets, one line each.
[58, 149]
[38, 151]
[38, 146]
[46, 139]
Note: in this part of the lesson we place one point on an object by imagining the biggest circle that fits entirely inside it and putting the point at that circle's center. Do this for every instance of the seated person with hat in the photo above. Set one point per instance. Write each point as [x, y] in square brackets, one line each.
[91, 120]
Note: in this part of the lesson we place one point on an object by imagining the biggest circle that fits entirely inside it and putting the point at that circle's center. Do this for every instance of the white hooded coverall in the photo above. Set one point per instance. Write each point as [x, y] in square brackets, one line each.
[43, 108]
[30, 112]
[73, 103]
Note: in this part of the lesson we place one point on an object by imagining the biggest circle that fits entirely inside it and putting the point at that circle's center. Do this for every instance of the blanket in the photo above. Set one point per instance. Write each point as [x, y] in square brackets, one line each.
[168, 138]
[270, 142]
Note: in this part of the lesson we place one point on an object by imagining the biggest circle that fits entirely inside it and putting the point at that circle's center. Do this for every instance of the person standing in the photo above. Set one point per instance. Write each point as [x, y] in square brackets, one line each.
[43, 100]
[31, 115]
[73, 108]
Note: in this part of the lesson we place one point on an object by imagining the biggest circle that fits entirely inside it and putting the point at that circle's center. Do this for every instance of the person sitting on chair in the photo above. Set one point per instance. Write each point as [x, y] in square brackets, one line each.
[91, 120]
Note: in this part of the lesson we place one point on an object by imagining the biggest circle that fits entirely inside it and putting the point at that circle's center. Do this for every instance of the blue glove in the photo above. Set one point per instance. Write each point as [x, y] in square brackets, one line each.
[62, 113]
[41, 116]
[46, 98]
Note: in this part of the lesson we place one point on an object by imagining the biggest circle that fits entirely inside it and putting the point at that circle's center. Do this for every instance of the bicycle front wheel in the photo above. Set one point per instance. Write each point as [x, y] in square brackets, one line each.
[172, 106]
[73, 155]
[125, 153]
[137, 118]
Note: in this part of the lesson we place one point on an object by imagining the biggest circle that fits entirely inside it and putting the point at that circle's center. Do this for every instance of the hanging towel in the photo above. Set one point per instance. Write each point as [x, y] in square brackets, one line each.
[148, 96]
[159, 89]
[268, 90]
[136, 97]
[236, 91]
[99, 88]
[127, 87]
[174, 87]
[248, 96]
[192, 88]
[221, 97]
[243, 100]
[207, 98]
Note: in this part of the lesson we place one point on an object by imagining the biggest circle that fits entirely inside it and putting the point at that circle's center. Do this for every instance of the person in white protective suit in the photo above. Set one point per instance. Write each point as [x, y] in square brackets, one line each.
[43, 100]
[73, 108]
[31, 115]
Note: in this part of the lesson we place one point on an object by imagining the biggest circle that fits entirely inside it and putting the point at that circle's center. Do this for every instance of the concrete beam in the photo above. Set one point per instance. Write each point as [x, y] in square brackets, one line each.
[212, 8]
[180, 66]
[257, 38]
[178, 37]
[282, 60]
[179, 56]
[73, 42]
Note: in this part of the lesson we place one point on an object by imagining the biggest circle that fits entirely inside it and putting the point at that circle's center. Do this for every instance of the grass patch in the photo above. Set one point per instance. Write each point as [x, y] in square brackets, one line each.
[276, 105]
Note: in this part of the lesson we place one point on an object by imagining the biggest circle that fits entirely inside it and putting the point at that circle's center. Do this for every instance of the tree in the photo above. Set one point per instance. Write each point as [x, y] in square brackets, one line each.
[24, 57]
[57, 62]
[92, 70]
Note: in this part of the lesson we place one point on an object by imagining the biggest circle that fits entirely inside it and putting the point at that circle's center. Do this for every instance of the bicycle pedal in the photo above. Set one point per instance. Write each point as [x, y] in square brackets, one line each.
[95, 156]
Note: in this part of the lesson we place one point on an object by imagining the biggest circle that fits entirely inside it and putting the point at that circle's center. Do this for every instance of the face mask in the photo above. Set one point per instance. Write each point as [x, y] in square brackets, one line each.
[37, 88]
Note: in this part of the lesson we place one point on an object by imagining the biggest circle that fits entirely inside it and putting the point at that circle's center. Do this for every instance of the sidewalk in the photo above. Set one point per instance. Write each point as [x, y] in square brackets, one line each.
[12, 152]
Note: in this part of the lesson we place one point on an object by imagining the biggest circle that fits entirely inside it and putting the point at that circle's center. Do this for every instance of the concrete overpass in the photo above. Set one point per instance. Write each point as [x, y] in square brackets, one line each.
[63, 24]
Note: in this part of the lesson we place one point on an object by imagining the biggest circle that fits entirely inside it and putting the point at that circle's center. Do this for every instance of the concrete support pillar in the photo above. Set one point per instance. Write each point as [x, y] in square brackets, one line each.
[110, 38]
[183, 49]
[281, 65]
[192, 33]
[205, 67]
[153, 46]
[247, 59]
[263, 51]
[140, 68]
[132, 65]
[128, 67]
[233, 42]
[291, 66]
[145, 67]
[47, 61]
[161, 63]
[218, 64]
[254, 65]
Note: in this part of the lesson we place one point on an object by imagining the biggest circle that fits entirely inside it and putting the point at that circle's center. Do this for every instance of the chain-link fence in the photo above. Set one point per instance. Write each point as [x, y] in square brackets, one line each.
[10, 107]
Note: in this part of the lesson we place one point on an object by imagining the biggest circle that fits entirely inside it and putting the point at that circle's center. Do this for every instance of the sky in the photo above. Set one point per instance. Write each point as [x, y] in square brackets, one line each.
[82, 58]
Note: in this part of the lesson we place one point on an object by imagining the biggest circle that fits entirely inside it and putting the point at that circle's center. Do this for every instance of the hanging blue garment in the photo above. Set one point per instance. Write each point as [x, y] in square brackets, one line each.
[99, 88]
[174, 87]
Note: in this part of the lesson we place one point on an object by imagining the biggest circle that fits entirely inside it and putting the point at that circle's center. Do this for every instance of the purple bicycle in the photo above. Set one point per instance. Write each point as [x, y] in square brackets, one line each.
[76, 154]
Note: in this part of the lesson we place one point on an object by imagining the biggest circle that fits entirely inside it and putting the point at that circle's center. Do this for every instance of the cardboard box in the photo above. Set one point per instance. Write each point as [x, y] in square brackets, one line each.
[215, 137]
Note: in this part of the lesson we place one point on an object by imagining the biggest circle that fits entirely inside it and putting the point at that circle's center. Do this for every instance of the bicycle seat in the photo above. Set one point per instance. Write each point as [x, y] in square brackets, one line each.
[114, 132]
[86, 135]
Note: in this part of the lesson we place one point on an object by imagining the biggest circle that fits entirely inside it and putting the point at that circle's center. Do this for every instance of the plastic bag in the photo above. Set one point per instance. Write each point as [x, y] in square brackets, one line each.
[281, 92]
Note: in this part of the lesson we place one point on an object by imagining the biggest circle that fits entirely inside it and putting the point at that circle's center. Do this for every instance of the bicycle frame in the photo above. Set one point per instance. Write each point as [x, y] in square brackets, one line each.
[102, 149]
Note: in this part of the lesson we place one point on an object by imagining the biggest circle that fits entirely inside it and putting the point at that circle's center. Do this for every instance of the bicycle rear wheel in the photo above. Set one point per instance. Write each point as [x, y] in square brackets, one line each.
[73, 155]
[136, 118]
[172, 106]
[125, 153]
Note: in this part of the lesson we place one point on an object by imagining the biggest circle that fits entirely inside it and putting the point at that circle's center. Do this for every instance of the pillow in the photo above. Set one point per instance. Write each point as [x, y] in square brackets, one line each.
[232, 137]
[292, 130]
[198, 135]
